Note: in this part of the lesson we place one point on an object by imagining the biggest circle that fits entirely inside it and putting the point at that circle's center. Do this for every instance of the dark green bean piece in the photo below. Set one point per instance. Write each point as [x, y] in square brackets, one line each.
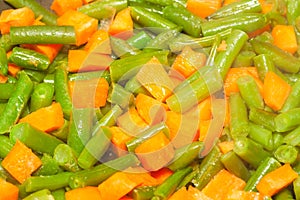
[161, 41]
[5, 42]
[134, 86]
[168, 187]
[95, 148]
[250, 151]
[148, 19]
[185, 155]
[250, 92]
[53, 182]
[2, 107]
[244, 59]
[243, 6]
[190, 23]
[121, 48]
[126, 68]
[48, 17]
[293, 137]
[63, 132]
[49, 166]
[99, 173]
[62, 94]
[6, 90]
[175, 3]
[90, 75]
[263, 118]
[261, 135]
[59, 194]
[6, 146]
[286, 154]
[143, 192]
[42, 96]
[296, 187]
[34, 138]
[121, 96]
[42, 194]
[65, 156]
[238, 116]
[210, 166]
[16, 103]
[3, 62]
[110, 117]
[36, 76]
[42, 35]
[247, 22]
[29, 59]
[293, 100]
[154, 8]
[287, 120]
[80, 128]
[283, 60]
[103, 9]
[235, 165]
[267, 165]
[139, 40]
[293, 11]
[284, 194]
[145, 135]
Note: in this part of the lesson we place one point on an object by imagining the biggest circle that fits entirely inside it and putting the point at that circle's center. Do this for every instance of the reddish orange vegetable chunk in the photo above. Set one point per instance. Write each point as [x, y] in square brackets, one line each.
[189, 194]
[222, 183]
[276, 180]
[203, 8]
[85, 193]
[61, 6]
[275, 91]
[46, 119]
[122, 24]
[8, 191]
[21, 162]
[84, 25]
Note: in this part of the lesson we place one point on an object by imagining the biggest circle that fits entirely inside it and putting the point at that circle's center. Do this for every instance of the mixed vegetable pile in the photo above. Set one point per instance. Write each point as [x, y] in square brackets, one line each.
[150, 99]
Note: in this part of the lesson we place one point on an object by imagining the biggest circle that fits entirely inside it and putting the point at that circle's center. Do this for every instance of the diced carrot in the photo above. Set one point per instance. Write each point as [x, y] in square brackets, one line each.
[13, 69]
[131, 122]
[275, 91]
[188, 61]
[3, 79]
[149, 108]
[21, 162]
[89, 93]
[226, 2]
[76, 58]
[117, 186]
[119, 139]
[99, 43]
[159, 87]
[276, 180]
[189, 194]
[221, 184]
[203, 8]
[203, 129]
[85, 193]
[155, 152]
[266, 6]
[226, 146]
[230, 85]
[122, 25]
[204, 107]
[244, 195]
[8, 191]
[141, 176]
[62, 6]
[46, 119]
[84, 25]
[285, 38]
[50, 50]
[173, 122]
[161, 175]
[15, 17]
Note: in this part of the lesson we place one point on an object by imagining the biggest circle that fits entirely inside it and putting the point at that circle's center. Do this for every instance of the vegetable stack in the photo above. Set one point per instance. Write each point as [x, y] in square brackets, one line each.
[149, 99]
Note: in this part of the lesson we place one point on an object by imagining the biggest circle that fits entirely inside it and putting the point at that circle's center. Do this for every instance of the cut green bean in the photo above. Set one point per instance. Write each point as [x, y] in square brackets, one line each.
[42, 96]
[44, 194]
[34, 138]
[65, 156]
[296, 187]
[3, 62]
[263, 64]
[244, 59]
[162, 40]
[293, 137]
[121, 96]
[6, 146]
[293, 100]
[284, 194]
[49, 166]
[287, 120]
[6, 90]
[53, 182]
[43, 35]
[250, 151]
[95, 148]
[29, 59]
[139, 40]
[16, 103]
[238, 116]
[99, 173]
[143, 192]
[59, 194]
[36, 76]
[121, 48]
[263, 118]
[5, 42]
[261, 135]
[286, 154]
